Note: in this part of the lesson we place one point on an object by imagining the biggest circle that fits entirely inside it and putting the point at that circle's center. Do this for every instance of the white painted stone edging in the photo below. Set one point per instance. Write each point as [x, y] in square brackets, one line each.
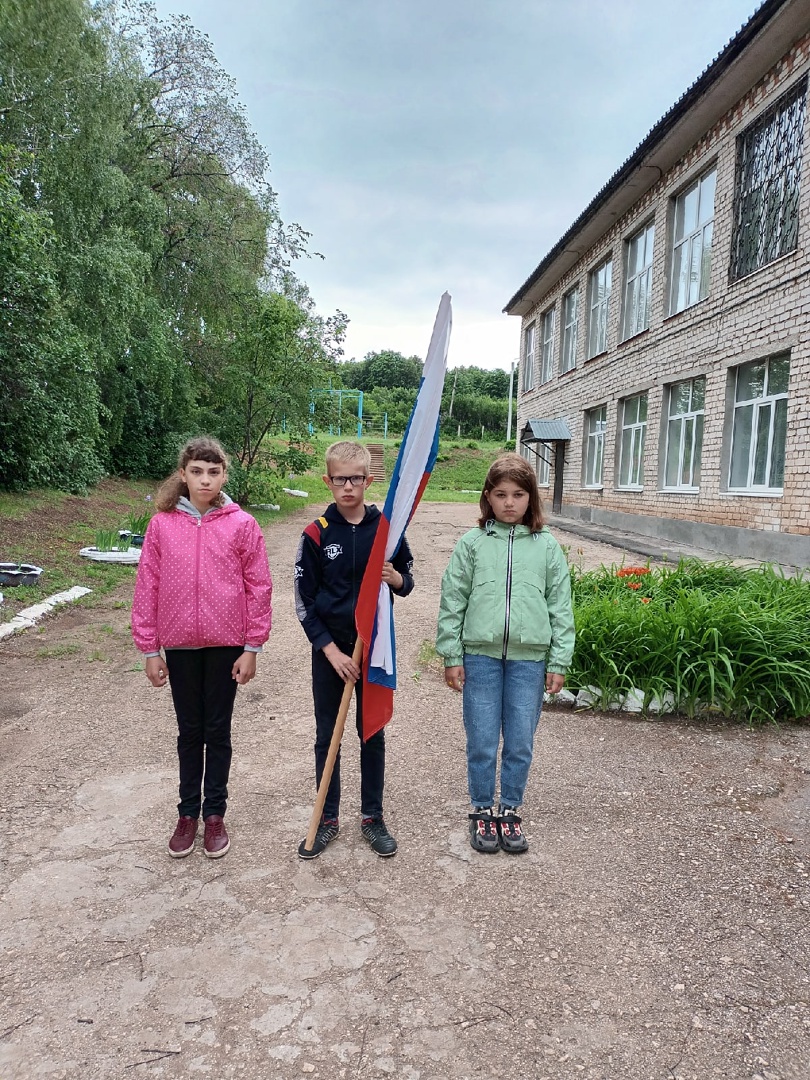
[31, 615]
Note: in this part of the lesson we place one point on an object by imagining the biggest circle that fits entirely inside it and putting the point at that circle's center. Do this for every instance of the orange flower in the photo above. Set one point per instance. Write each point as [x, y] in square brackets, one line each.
[632, 571]
[633, 585]
[644, 599]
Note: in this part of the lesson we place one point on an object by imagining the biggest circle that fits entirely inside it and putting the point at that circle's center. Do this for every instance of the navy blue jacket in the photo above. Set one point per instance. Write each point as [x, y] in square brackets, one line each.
[329, 567]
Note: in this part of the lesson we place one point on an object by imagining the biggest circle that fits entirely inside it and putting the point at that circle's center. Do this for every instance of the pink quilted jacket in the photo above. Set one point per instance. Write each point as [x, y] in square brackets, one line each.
[202, 581]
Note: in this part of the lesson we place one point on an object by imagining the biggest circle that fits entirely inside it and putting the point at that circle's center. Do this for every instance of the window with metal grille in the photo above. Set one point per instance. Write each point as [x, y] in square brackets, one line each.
[528, 358]
[599, 286]
[596, 422]
[638, 282]
[547, 347]
[570, 316]
[760, 425]
[685, 434]
[766, 195]
[634, 429]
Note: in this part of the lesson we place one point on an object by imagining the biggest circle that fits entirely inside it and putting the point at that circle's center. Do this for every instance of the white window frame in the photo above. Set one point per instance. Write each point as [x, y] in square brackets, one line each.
[768, 421]
[638, 264]
[528, 357]
[600, 281]
[595, 426]
[570, 320]
[539, 463]
[547, 327]
[631, 446]
[684, 437]
[690, 267]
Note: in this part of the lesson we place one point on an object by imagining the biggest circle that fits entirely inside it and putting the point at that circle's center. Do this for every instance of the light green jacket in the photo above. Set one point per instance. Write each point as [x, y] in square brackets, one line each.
[506, 593]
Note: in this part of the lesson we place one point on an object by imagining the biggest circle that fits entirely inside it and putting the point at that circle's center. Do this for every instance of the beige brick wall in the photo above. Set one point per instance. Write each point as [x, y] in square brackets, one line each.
[766, 313]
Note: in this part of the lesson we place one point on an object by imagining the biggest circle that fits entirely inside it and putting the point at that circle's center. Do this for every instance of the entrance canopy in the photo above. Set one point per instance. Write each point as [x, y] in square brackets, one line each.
[546, 431]
[549, 431]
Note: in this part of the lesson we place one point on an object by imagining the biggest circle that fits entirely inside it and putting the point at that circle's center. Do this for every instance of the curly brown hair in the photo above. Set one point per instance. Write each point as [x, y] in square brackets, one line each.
[515, 468]
[200, 448]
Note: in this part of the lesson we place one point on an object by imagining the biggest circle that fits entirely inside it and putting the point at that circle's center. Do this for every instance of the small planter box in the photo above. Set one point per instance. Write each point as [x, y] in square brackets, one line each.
[19, 573]
[129, 556]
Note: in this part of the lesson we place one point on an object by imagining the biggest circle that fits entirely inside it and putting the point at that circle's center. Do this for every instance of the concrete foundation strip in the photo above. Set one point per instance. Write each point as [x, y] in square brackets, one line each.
[31, 615]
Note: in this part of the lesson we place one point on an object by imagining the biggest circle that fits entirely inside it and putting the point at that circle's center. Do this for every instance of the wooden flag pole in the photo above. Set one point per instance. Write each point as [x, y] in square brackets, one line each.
[334, 746]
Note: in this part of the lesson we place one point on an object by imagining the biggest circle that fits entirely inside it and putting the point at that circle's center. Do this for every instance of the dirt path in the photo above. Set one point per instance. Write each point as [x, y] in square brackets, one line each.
[658, 929]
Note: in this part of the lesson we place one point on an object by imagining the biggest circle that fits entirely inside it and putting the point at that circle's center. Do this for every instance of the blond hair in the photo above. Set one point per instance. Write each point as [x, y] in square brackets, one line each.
[341, 452]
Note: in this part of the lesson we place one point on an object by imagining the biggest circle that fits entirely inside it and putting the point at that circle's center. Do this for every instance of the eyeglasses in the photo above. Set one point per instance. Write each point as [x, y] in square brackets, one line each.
[342, 481]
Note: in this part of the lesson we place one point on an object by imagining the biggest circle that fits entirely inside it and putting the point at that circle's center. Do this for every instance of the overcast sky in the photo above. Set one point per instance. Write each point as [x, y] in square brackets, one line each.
[433, 145]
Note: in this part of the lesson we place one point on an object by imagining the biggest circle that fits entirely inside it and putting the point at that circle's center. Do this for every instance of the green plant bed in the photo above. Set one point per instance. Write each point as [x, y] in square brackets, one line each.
[719, 639]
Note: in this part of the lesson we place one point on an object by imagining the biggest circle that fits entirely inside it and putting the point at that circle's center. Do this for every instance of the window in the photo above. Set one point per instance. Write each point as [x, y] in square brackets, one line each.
[685, 433]
[528, 358]
[760, 425]
[766, 194]
[638, 282]
[570, 307]
[542, 464]
[538, 457]
[599, 284]
[634, 428]
[692, 244]
[547, 346]
[595, 424]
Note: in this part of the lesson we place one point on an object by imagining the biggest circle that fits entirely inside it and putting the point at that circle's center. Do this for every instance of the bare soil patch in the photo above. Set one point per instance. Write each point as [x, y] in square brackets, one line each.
[657, 928]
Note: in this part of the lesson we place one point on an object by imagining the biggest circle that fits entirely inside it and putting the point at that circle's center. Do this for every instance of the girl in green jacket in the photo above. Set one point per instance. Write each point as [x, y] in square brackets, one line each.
[506, 632]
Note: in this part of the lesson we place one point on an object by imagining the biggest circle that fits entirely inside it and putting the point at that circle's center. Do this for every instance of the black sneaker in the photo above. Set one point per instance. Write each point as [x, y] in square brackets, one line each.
[328, 830]
[484, 830]
[510, 833]
[378, 836]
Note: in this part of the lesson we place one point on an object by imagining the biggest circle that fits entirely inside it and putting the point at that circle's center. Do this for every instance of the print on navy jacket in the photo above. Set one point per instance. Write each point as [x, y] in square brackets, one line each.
[203, 580]
[329, 567]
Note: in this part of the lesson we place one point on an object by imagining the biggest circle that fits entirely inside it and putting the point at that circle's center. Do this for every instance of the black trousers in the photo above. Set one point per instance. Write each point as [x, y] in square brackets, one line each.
[327, 690]
[203, 693]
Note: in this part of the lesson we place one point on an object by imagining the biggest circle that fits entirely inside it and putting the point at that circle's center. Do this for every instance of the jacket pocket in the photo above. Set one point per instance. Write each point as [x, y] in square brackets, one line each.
[483, 621]
[530, 623]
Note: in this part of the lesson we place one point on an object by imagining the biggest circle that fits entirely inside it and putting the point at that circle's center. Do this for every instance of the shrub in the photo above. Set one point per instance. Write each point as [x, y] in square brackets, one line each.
[718, 638]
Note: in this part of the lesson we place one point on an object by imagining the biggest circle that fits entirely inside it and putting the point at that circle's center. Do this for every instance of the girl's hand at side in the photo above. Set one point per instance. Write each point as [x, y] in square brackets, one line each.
[454, 677]
[156, 673]
[554, 682]
[245, 668]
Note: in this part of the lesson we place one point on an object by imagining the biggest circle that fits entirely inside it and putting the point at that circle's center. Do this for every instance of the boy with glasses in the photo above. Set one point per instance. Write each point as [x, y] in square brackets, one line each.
[329, 567]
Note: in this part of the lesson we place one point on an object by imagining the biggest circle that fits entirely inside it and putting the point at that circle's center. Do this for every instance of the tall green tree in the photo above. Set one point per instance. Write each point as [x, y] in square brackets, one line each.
[48, 394]
[279, 350]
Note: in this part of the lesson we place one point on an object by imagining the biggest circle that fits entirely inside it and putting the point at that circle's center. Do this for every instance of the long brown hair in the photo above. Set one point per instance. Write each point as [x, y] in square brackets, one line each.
[201, 448]
[515, 468]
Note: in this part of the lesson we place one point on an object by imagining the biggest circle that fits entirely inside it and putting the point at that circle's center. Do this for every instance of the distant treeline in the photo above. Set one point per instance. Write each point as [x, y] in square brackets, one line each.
[473, 397]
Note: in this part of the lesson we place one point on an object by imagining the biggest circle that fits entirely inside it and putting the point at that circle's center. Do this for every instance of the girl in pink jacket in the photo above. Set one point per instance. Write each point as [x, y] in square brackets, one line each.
[203, 597]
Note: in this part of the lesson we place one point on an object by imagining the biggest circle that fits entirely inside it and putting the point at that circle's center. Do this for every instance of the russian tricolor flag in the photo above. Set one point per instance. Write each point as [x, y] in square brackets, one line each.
[417, 455]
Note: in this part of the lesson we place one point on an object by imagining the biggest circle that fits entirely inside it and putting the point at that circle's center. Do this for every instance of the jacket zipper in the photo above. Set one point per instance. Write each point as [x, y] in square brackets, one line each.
[508, 590]
[197, 579]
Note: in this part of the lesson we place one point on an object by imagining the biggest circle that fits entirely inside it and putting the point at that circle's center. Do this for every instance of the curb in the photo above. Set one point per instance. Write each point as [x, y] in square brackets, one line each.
[31, 615]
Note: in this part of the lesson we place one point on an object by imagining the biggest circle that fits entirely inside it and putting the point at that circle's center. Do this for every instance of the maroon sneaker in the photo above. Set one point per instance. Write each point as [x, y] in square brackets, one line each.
[216, 841]
[182, 841]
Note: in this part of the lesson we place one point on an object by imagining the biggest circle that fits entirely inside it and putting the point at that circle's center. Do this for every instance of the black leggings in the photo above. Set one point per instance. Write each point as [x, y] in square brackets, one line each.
[203, 692]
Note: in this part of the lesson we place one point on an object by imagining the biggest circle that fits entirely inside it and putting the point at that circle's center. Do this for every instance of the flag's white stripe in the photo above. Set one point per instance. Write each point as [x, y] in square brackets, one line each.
[413, 461]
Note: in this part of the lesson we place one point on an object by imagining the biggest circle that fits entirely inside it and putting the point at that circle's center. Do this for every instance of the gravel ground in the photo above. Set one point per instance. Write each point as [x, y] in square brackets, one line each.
[656, 930]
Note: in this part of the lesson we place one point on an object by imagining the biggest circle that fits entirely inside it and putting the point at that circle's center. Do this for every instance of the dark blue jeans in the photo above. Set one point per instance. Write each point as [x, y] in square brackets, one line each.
[327, 691]
[502, 698]
[203, 692]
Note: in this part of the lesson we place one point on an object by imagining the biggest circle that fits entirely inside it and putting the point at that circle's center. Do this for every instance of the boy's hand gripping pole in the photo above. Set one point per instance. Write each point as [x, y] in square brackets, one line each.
[334, 746]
